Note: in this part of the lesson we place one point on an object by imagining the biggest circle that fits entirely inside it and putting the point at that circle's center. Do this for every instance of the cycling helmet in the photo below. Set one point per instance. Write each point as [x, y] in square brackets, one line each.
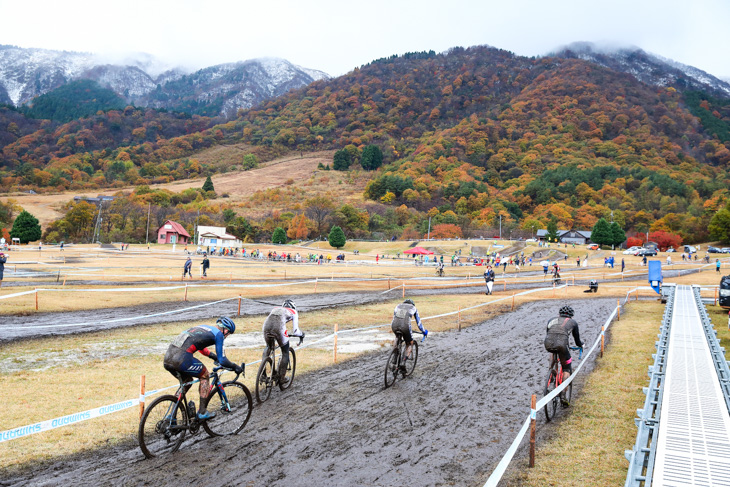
[289, 304]
[567, 311]
[227, 323]
[409, 301]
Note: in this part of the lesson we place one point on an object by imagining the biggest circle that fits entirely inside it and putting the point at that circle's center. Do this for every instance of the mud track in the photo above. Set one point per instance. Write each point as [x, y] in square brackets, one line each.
[448, 424]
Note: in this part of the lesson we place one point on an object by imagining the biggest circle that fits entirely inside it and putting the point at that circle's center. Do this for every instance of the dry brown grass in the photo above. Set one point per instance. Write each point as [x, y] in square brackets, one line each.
[587, 447]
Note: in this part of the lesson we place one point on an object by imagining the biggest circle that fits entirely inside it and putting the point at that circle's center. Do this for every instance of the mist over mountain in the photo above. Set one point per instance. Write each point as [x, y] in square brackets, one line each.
[144, 81]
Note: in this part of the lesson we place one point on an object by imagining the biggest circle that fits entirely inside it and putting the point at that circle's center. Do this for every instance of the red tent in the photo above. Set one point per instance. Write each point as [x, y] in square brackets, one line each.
[418, 251]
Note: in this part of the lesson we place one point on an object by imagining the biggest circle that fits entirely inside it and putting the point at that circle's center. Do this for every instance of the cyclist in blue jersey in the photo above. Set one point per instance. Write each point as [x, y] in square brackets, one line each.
[179, 359]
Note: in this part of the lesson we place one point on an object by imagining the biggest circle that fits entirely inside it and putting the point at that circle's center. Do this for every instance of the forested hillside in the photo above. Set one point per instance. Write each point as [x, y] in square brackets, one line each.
[466, 136]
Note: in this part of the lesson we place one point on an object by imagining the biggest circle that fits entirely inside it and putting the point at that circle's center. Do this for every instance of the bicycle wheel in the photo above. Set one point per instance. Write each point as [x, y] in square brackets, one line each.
[550, 385]
[232, 409]
[162, 427]
[264, 380]
[411, 362]
[391, 368]
[290, 369]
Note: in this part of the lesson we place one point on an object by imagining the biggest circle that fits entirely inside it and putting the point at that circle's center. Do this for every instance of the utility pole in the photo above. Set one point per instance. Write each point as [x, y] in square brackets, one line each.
[429, 229]
[97, 227]
[147, 234]
[500, 227]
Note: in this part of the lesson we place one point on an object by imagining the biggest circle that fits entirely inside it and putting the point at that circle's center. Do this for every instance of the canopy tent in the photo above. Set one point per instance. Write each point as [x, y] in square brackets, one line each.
[418, 251]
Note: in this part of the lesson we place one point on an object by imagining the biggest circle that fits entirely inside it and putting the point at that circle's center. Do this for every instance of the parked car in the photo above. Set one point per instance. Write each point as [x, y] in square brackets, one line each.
[592, 247]
[671, 249]
[725, 250]
[534, 240]
[714, 250]
[690, 249]
[646, 252]
[631, 250]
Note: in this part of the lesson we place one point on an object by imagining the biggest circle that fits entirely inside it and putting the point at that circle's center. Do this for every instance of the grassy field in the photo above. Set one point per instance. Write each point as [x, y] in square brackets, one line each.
[72, 374]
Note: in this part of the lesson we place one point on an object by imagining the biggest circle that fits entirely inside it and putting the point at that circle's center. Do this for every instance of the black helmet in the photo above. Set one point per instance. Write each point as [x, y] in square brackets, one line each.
[567, 311]
[409, 301]
[227, 323]
[289, 304]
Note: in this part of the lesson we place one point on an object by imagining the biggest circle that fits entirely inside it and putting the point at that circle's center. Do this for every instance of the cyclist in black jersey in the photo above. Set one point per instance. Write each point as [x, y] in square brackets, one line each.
[179, 359]
[557, 339]
[401, 324]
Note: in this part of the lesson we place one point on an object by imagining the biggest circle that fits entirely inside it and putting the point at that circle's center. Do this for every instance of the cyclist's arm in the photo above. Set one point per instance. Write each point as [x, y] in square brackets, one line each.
[296, 332]
[418, 320]
[209, 354]
[220, 355]
[576, 336]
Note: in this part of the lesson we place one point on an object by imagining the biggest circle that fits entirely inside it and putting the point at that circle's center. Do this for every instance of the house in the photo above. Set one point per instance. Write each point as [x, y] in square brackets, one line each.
[172, 232]
[580, 237]
[216, 237]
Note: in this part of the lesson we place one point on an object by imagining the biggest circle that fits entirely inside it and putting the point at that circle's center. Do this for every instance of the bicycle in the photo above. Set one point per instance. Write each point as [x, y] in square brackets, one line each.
[392, 367]
[440, 272]
[556, 279]
[268, 374]
[554, 379]
[168, 418]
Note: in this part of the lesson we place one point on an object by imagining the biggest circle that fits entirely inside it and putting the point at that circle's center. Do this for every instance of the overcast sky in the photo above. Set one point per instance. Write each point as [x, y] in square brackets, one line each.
[336, 36]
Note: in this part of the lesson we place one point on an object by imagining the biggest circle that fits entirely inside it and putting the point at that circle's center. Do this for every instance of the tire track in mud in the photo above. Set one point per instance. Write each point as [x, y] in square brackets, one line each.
[449, 423]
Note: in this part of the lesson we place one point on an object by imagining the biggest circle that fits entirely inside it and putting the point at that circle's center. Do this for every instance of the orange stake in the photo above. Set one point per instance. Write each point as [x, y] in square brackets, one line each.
[141, 395]
[618, 313]
[335, 347]
[239, 305]
[602, 335]
[36, 299]
[533, 403]
[186, 292]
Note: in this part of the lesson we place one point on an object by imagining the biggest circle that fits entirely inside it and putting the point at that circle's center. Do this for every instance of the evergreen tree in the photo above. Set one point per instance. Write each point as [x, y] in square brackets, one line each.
[279, 236]
[208, 185]
[552, 231]
[372, 158]
[26, 228]
[341, 160]
[618, 236]
[337, 237]
[601, 233]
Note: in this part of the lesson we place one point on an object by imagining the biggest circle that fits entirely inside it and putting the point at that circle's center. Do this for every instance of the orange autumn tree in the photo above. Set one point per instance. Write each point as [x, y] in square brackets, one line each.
[299, 227]
[446, 230]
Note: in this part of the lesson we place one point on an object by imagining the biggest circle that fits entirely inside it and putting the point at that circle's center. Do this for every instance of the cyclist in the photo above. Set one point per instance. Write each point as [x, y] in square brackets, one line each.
[402, 325]
[556, 271]
[179, 359]
[557, 340]
[275, 330]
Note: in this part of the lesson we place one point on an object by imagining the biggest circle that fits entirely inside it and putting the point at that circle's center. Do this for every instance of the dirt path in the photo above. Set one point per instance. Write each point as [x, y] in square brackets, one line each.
[49, 324]
[448, 424]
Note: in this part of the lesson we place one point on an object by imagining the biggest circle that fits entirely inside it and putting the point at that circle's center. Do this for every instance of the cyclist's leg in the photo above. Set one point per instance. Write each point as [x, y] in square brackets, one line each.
[191, 367]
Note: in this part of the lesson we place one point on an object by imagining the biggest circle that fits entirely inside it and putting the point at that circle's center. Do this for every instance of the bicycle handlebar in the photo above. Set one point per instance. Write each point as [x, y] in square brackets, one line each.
[243, 370]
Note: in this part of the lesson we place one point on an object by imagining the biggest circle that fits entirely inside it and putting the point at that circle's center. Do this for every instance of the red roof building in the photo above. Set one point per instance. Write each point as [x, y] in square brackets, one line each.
[172, 232]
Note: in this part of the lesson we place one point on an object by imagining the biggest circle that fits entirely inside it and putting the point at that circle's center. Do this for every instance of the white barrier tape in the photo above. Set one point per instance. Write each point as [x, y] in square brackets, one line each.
[66, 325]
[16, 294]
[496, 475]
[507, 458]
[93, 413]
[50, 424]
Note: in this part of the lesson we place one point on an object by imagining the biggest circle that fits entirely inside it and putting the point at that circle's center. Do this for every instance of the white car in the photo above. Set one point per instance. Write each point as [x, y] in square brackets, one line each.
[632, 250]
[533, 240]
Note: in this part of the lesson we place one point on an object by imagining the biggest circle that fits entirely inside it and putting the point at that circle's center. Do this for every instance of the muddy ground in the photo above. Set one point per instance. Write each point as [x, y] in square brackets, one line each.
[48, 324]
[448, 424]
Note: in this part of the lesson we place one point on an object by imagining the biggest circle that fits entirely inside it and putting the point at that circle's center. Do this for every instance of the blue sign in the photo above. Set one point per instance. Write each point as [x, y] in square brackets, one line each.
[655, 275]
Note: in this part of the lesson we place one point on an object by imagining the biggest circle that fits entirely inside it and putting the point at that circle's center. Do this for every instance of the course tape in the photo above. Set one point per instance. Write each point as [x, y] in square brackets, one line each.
[498, 472]
[74, 418]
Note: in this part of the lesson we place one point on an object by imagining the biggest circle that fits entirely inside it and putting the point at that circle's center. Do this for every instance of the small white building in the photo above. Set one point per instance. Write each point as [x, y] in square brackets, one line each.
[216, 237]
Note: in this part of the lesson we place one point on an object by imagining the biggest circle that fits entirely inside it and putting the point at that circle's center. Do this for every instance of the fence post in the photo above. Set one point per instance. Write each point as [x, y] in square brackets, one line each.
[459, 320]
[533, 416]
[186, 292]
[602, 335]
[239, 305]
[36, 299]
[513, 302]
[637, 294]
[335, 347]
[285, 274]
[64, 281]
[573, 279]
[715, 296]
[316, 279]
[389, 284]
[404, 289]
[230, 277]
[618, 307]
[141, 395]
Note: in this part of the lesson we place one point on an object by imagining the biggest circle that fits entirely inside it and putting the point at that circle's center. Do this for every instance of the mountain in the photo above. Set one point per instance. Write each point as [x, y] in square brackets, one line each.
[144, 81]
[648, 68]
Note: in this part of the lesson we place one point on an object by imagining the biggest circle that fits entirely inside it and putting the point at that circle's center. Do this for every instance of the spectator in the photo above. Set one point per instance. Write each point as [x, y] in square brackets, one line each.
[3, 260]
[187, 268]
[205, 264]
[717, 265]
